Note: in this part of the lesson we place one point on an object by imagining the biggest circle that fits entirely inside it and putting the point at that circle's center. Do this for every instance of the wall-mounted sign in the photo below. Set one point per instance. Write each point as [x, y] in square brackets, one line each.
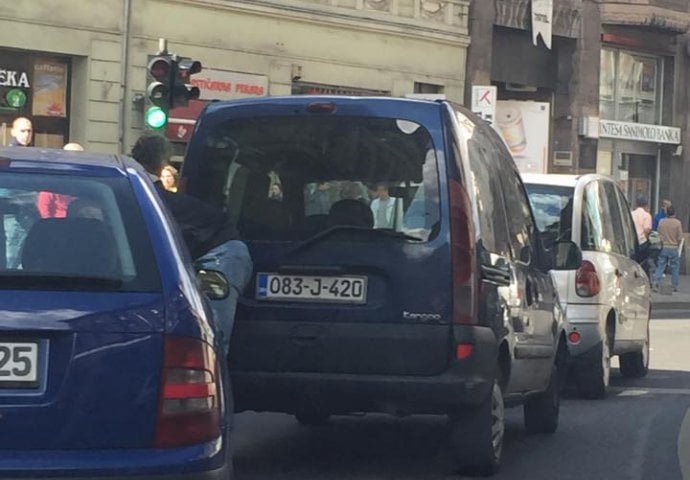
[50, 88]
[639, 131]
[484, 102]
[15, 98]
[223, 85]
[524, 127]
[13, 78]
[305, 88]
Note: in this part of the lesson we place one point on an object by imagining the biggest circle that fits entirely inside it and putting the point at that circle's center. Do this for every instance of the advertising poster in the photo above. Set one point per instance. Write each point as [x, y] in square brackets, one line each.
[524, 127]
[50, 88]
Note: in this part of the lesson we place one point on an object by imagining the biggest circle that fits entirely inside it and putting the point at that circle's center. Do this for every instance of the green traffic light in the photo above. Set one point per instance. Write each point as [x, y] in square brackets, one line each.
[155, 117]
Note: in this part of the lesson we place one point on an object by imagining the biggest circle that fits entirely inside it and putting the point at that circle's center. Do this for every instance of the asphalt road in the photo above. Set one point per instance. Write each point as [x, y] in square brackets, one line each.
[641, 431]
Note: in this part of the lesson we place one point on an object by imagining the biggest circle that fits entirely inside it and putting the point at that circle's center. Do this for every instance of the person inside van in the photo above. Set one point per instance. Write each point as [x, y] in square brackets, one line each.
[383, 208]
[210, 235]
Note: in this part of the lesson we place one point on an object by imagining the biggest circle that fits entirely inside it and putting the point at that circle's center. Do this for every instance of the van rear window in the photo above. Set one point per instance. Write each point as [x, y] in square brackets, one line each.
[290, 178]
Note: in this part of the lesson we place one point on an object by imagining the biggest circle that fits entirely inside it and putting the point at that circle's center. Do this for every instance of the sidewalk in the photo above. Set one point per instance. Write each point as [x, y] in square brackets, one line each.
[677, 300]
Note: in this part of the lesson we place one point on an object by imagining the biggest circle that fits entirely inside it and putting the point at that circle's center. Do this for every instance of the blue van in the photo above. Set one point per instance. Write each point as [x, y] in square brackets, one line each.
[397, 265]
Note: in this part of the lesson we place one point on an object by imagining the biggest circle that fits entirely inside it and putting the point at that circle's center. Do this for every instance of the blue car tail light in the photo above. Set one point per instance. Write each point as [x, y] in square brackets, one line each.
[189, 407]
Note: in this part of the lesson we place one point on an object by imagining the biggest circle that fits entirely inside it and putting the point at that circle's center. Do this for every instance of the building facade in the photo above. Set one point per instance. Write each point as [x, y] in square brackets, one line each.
[613, 83]
[78, 69]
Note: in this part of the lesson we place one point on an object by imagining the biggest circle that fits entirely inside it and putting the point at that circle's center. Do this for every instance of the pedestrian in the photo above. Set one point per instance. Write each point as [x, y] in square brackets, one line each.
[211, 237]
[22, 132]
[661, 213]
[671, 233]
[643, 226]
[169, 178]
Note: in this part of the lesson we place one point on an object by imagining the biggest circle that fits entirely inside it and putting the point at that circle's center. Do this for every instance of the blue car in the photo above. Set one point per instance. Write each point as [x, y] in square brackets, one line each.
[108, 361]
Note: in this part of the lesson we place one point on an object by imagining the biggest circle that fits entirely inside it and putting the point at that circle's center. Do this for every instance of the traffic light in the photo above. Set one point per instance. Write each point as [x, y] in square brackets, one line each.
[182, 91]
[161, 70]
[169, 87]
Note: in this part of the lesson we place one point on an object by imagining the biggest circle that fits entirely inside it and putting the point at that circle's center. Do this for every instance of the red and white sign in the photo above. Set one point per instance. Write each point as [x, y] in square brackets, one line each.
[214, 85]
[222, 85]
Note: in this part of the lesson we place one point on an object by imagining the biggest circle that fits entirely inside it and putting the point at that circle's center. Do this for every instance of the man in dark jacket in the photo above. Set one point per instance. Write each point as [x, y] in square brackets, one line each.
[211, 237]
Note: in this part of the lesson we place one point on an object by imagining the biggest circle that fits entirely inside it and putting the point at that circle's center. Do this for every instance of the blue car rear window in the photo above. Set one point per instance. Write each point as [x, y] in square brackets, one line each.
[290, 177]
[73, 233]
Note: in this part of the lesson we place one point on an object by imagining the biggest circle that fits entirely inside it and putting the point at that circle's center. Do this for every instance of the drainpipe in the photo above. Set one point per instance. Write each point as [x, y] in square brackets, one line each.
[126, 20]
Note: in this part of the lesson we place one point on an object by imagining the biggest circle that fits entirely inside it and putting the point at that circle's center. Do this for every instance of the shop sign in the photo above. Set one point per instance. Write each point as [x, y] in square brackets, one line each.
[223, 85]
[13, 78]
[484, 102]
[15, 98]
[639, 131]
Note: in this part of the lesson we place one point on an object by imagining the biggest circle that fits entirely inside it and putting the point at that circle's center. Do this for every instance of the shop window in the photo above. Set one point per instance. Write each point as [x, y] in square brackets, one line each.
[630, 87]
[36, 87]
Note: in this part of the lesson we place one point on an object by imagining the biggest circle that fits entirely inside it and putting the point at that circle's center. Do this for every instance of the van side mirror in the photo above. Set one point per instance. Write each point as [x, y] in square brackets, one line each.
[213, 284]
[566, 256]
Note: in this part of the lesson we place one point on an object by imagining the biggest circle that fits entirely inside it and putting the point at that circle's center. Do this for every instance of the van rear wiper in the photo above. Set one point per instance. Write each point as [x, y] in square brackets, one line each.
[52, 281]
[358, 230]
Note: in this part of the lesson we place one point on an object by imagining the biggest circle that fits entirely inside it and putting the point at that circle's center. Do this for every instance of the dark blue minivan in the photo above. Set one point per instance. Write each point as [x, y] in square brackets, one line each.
[107, 349]
[397, 266]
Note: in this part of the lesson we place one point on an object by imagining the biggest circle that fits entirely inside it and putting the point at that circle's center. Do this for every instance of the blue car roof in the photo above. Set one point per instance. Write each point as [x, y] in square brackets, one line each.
[51, 160]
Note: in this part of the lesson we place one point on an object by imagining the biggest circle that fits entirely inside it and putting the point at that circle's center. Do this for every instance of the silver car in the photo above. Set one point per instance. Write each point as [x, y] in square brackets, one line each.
[607, 300]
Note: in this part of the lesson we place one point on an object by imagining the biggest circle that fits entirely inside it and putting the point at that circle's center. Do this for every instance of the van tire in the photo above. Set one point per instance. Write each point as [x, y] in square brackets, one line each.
[477, 435]
[541, 411]
[636, 364]
[312, 418]
[592, 377]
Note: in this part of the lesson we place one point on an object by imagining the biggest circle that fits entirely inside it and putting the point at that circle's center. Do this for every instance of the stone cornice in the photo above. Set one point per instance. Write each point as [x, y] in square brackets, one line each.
[647, 16]
[363, 20]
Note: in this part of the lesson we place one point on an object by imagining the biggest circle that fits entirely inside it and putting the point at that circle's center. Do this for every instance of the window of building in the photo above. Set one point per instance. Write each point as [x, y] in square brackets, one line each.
[420, 87]
[630, 86]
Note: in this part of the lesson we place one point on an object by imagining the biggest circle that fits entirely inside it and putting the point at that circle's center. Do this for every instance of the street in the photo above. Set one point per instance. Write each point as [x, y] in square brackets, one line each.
[641, 431]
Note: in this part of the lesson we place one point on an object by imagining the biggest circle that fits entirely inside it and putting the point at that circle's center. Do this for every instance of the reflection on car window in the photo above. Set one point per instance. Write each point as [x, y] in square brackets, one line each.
[73, 226]
[289, 178]
[553, 210]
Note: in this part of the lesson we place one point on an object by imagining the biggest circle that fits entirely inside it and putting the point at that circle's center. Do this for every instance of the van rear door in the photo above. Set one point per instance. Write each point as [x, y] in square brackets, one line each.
[339, 200]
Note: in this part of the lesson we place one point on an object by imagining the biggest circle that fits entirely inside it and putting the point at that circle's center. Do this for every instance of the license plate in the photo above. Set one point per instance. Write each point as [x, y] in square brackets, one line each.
[18, 364]
[345, 289]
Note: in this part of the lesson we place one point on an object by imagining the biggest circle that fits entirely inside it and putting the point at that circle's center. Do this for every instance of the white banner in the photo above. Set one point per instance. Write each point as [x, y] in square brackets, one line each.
[542, 16]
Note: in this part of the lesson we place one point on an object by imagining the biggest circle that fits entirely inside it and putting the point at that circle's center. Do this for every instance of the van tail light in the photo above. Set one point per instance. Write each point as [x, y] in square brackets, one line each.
[587, 282]
[189, 402]
[462, 255]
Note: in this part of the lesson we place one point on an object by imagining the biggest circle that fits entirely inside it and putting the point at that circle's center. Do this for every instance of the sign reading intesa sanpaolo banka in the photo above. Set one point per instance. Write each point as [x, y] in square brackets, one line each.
[639, 131]
[223, 85]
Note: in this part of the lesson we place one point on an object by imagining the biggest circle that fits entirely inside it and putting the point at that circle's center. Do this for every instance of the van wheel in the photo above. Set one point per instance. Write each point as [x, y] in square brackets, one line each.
[636, 364]
[592, 378]
[312, 418]
[541, 411]
[477, 435]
